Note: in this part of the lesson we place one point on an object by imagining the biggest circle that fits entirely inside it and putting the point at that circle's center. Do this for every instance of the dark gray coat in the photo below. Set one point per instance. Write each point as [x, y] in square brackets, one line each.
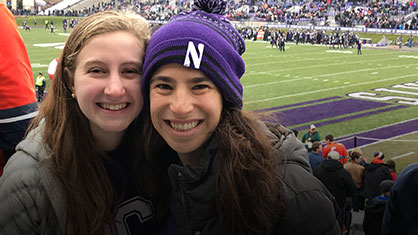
[310, 208]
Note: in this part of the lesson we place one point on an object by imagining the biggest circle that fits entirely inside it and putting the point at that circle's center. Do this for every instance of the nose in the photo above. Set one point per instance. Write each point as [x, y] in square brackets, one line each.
[182, 102]
[115, 85]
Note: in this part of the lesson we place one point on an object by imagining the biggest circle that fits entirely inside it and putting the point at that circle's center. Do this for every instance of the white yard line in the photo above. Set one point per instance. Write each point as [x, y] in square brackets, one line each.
[403, 155]
[327, 89]
[328, 58]
[324, 65]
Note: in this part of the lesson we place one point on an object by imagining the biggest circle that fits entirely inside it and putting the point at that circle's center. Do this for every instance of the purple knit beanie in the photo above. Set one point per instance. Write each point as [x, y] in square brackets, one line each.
[201, 39]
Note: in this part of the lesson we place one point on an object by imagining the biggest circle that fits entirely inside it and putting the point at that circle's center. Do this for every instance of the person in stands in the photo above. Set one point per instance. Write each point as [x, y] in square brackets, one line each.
[223, 170]
[73, 173]
[400, 216]
[375, 208]
[339, 182]
[17, 95]
[392, 167]
[375, 173]
[310, 137]
[315, 156]
[332, 145]
[357, 172]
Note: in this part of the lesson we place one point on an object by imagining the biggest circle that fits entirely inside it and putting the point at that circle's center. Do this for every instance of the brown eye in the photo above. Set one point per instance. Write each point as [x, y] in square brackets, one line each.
[163, 87]
[200, 87]
[96, 70]
[134, 71]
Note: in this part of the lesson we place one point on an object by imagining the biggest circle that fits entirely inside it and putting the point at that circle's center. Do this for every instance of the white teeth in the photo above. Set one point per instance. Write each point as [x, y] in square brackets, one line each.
[183, 126]
[113, 107]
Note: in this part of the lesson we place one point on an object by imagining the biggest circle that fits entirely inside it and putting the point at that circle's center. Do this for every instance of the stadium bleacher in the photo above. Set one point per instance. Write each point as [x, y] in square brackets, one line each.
[402, 15]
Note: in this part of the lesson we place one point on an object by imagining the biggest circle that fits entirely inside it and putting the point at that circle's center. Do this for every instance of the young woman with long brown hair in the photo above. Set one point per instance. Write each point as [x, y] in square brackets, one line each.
[225, 172]
[73, 172]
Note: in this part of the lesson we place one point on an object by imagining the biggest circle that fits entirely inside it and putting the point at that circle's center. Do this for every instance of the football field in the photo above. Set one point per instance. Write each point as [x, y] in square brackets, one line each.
[373, 96]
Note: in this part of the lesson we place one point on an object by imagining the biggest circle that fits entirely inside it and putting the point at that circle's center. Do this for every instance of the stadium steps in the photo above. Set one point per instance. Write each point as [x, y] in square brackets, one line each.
[83, 4]
[59, 6]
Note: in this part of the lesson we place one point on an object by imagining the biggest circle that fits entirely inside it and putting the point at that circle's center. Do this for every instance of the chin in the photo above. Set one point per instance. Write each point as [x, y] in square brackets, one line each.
[184, 148]
[116, 128]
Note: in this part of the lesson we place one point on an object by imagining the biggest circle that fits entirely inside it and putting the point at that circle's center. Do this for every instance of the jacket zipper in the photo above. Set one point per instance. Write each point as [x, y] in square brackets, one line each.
[185, 208]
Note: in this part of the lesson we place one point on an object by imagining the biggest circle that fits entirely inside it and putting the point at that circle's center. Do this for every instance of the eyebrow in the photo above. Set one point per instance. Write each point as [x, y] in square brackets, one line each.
[135, 63]
[169, 79]
[200, 79]
[161, 78]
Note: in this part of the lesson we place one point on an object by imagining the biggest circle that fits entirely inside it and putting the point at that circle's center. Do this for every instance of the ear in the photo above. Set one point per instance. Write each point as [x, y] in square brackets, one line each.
[69, 77]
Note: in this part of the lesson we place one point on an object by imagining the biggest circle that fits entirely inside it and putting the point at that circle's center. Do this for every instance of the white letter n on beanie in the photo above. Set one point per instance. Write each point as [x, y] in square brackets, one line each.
[191, 51]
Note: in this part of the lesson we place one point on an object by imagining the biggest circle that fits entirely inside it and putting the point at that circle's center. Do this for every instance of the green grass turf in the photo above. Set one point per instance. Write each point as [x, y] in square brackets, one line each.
[41, 20]
[40, 53]
[305, 72]
[301, 73]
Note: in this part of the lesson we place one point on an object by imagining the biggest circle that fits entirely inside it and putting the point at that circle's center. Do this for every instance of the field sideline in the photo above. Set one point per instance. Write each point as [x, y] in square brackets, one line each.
[341, 92]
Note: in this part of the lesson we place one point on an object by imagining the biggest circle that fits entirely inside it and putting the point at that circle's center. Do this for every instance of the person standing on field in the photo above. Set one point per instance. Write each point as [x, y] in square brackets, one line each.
[40, 86]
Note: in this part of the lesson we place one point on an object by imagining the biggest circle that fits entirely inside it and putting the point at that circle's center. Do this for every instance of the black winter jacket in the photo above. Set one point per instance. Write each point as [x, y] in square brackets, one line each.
[310, 207]
[373, 216]
[337, 179]
[373, 175]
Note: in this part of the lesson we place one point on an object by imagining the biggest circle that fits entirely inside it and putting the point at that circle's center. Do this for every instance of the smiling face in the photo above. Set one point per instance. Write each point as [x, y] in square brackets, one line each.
[107, 84]
[185, 107]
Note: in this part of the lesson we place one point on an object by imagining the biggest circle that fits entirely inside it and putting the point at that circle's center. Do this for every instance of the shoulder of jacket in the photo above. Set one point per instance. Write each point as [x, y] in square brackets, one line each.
[21, 178]
[33, 144]
[297, 180]
[305, 196]
[25, 166]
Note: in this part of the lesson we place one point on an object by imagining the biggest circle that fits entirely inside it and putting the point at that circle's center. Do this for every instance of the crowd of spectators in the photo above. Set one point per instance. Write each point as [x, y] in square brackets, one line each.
[379, 14]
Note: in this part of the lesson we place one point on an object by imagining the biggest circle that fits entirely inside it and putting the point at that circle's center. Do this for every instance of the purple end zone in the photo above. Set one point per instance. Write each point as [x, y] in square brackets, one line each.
[317, 112]
[381, 133]
[299, 104]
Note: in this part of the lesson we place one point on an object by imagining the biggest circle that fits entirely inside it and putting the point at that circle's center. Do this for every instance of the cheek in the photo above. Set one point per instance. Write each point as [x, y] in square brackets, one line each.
[134, 89]
[216, 106]
[154, 114]
[155, 103]
[85, 96]
[86, 91]
[218, 101]
[81, 85]
[139, 104]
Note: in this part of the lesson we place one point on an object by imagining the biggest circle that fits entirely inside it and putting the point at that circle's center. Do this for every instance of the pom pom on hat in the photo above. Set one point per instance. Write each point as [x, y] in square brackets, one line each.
[379, 155]
[210, 6]
[204, 40]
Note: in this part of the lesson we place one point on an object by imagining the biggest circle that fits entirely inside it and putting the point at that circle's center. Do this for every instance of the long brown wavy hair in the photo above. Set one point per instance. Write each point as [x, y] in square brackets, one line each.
[248, 187]
[77, 157]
